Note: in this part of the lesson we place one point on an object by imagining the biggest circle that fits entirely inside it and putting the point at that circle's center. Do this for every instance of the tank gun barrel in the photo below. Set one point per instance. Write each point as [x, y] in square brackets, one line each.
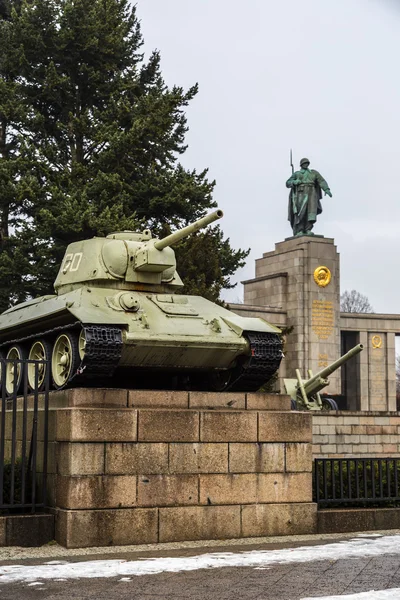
[322, 375]
[182, 233]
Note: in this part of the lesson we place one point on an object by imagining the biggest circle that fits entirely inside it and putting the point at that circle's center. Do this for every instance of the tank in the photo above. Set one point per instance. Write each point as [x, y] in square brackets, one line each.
[116, 319]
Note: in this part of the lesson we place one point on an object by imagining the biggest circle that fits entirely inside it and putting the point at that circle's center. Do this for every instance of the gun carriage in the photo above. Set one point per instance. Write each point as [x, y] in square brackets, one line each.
[306, 394]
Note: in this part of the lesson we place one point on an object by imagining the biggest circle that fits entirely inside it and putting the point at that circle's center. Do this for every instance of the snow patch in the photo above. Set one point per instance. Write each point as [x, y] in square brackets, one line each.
[354, 548]
[391, 594]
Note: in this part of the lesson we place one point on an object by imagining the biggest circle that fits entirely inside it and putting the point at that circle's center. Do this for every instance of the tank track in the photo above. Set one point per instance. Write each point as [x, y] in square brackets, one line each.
[104, 347]
[102, 350]
[266, 356]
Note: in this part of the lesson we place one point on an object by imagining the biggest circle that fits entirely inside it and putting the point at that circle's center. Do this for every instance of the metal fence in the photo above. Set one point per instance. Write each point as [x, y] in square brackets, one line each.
[23, 435]
[356, 481]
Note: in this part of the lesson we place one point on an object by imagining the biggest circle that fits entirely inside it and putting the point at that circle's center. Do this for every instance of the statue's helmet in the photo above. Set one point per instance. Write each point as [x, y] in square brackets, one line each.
[304, 161]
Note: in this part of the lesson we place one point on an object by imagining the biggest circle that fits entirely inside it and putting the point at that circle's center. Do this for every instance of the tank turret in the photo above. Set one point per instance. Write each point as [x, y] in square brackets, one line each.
[126, 260]
[116, 319]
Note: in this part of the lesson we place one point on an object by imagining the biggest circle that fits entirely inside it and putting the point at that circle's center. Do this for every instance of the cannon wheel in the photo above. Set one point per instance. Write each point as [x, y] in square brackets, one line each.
[329, 404]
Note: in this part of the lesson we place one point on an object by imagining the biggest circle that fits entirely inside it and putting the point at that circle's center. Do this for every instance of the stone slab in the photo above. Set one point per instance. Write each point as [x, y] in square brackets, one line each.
[257, 458]
[284, 487]
[158, 399]
[136, 458]
[213, 400]
[199, 523]
[168, 426]
[358, 519]
[279, 519]
[84, 529]
[229, 489]
[298, 457]
[90, 492]
[80, 458]
[167, 490]
[28, 531]
[3, 532]
[224, 426]
[90, 397]
[198, 458]
[250, 488]
[96, 425]
[285, 427]
[259, 401]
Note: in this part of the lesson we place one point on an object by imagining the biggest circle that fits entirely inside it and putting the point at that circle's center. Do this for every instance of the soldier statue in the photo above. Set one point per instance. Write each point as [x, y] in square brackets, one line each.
[305, 196]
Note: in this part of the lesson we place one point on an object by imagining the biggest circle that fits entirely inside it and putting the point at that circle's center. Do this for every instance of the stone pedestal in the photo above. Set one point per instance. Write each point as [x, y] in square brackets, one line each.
[302, 276]
[135, 467]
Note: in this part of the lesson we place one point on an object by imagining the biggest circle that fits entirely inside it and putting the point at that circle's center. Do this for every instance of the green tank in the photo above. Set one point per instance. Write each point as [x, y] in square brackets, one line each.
[116, 319]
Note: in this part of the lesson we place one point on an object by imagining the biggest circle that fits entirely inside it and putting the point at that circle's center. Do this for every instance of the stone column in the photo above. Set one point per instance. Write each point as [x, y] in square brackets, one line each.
[302, 275]
[377, 370]
[364, 378]
[390, 371]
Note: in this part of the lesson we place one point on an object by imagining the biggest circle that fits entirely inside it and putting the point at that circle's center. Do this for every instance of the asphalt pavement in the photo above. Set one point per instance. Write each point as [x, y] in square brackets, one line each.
[292, 570]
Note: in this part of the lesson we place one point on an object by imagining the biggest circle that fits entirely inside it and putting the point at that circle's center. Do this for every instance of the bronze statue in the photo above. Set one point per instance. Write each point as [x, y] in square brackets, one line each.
[305, 196]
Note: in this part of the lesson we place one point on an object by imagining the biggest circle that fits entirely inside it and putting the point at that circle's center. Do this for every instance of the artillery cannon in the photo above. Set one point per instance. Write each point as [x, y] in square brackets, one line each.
[305, 394]
[115, 319]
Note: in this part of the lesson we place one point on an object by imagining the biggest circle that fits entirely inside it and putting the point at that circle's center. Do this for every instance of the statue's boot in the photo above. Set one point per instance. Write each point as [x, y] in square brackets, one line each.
[308, 227]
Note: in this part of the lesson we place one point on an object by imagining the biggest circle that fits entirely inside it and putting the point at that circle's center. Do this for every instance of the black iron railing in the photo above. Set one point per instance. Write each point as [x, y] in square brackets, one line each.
[23, 435]
[356, 481]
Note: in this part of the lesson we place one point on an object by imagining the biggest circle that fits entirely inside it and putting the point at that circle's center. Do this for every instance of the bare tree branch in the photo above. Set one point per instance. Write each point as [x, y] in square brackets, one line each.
[354, 302]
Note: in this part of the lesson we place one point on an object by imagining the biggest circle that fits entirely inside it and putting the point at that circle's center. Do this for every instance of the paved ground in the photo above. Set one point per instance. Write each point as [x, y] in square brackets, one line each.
[293, 581]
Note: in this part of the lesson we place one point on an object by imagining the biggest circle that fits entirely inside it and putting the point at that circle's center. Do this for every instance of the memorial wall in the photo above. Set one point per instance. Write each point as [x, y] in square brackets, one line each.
[297, 288]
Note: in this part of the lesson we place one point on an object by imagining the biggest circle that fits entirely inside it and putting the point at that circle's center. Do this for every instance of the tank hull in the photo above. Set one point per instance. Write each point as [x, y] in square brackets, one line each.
[159, 332]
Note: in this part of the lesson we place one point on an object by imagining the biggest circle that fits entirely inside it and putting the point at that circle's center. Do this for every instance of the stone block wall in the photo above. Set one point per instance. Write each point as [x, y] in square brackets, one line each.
[367, 434]
[285, 279]
[135, 467]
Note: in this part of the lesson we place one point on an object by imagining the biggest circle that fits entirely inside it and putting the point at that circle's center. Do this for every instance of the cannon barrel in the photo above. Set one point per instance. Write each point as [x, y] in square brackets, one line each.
[331, 368]
[181, 233]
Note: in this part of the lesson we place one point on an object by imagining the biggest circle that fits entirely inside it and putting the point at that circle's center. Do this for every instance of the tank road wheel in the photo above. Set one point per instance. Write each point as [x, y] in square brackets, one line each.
[65, 359]
[40, 350]
[14, 370]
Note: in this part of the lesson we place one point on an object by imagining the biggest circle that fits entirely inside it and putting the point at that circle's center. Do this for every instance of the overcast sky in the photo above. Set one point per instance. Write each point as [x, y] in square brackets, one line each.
[320, 76]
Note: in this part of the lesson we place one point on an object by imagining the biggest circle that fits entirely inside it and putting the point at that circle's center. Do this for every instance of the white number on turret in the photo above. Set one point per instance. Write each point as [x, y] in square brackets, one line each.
[72, 262]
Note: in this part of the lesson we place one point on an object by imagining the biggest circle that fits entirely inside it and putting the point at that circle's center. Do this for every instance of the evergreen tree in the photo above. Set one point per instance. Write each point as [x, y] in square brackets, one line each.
[13, 262]
[99, 139]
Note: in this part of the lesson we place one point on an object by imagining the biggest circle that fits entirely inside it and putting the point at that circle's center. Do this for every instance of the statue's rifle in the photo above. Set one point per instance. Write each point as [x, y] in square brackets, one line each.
[294, 191]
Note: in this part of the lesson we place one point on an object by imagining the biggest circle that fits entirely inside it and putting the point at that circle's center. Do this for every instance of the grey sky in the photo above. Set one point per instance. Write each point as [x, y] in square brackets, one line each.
[320, 76]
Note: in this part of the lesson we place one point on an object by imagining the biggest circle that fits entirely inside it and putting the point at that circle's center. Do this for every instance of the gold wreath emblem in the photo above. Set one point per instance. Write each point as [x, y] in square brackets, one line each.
[376, 341]
[322, 276]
